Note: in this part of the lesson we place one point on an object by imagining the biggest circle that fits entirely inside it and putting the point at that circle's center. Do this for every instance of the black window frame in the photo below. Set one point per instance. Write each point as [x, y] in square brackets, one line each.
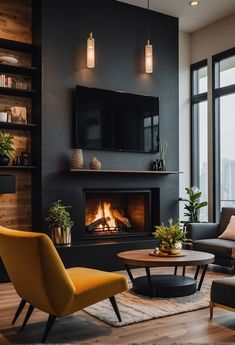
[218, 92]
[194, 100]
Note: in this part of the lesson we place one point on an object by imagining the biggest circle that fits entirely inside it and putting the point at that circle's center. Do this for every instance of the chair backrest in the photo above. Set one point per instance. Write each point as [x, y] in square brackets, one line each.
[36, 270]
[225, 216]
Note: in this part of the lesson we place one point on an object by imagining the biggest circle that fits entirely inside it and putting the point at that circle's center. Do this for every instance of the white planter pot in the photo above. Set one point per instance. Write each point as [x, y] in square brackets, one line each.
[3, 116]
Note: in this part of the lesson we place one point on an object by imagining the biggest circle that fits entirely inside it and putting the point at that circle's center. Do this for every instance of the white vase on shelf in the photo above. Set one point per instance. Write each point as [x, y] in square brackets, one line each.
[95, 164]
[77, 159]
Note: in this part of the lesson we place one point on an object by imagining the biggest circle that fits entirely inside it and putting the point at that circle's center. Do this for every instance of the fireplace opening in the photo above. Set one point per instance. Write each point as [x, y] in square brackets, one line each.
[117, 213]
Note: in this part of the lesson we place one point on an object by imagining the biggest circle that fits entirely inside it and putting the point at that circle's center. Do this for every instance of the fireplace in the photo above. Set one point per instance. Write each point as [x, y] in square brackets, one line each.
[118, 213]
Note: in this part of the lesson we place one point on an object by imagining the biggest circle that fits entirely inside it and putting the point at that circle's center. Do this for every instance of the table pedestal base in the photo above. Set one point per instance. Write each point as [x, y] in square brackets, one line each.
[164, 286]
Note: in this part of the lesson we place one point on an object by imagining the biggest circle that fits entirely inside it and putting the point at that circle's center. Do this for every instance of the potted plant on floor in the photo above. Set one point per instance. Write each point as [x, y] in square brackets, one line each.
[193, 204]
[6, 148]
[171, 237]
[60, 223]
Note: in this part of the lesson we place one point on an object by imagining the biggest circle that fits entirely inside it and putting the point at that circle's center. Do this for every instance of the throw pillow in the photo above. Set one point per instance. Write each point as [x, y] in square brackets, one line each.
[229, 232]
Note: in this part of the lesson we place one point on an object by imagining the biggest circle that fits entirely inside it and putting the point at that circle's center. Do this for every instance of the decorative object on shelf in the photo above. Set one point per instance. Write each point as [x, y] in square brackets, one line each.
[6, 148]
[95, 164]
[193, 204]
[3, 115]
[19, 115]
[171, 237]
[90, 51]
[77, 159]
[25, 158]
[148, 50]
[162, 156]
[60, 223]
[17, 161]
[8, 59]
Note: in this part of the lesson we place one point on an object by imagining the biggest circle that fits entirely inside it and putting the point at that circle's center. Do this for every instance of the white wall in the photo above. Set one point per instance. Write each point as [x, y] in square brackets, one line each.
[184, 118]
[206, 42]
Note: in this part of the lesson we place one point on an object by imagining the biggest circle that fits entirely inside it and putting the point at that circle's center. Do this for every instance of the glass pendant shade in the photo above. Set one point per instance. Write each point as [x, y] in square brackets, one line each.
[148, 57]
[90, 51]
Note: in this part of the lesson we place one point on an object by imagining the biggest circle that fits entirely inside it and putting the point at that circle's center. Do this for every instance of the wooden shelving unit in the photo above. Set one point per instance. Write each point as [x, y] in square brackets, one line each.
[18, 167]
[17, 126]
[31, 99]
[127, 171]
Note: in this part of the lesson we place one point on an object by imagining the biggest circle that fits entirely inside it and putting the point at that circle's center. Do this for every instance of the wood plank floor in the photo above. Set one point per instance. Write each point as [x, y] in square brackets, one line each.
[193, 327]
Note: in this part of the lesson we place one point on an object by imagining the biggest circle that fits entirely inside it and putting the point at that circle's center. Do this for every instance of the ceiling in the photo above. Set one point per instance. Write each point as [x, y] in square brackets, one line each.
[191, 18]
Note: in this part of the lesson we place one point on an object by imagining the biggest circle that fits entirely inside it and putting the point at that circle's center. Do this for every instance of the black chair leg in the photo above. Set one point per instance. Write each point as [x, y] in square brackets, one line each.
[115, 307]
[27, 316]
[50, 322]
[19, 310]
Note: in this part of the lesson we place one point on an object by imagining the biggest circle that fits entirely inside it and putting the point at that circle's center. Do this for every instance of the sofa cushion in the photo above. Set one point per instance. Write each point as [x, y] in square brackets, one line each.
[216, 246]
[229, 232]
[225, 217]
[223, 291]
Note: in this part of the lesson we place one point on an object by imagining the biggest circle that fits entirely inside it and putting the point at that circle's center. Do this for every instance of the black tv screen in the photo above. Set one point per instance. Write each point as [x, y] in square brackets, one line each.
[114, 120]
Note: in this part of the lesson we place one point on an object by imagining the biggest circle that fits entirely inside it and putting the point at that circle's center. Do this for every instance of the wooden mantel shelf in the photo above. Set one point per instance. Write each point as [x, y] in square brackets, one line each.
[127, 171]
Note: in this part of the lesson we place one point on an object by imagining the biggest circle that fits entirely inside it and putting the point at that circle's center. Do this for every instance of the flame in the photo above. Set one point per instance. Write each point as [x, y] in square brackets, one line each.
[105, 210]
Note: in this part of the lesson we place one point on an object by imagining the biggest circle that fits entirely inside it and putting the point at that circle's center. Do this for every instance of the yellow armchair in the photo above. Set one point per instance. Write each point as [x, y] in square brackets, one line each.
[41, 279]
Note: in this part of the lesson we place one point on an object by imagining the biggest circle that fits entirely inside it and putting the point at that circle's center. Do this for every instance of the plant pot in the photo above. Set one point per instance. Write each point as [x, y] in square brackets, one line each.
[61, 235]
[4, 160]
[176, 249]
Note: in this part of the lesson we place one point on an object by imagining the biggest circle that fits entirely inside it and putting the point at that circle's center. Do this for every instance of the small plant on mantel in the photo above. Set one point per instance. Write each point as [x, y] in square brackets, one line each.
[60, 223]
[6, 148]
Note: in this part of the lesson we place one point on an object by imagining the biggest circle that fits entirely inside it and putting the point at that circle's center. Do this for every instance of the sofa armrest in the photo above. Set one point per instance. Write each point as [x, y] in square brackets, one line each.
[199, 231]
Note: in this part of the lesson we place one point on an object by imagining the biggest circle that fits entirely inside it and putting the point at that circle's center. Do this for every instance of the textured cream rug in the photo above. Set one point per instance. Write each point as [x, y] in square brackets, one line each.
[135, 308]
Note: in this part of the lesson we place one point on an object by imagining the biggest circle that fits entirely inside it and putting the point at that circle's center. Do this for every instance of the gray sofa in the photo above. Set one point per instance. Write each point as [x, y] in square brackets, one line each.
[205, 239]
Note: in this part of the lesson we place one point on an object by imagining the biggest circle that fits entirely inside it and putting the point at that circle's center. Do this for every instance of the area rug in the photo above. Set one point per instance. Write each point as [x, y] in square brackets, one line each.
[135, 308]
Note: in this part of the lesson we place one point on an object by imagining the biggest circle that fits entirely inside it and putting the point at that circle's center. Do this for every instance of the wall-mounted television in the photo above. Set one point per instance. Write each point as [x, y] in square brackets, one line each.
[115, 120]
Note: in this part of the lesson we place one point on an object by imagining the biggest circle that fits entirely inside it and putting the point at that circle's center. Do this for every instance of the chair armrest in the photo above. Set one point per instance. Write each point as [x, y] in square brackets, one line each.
[199, 231]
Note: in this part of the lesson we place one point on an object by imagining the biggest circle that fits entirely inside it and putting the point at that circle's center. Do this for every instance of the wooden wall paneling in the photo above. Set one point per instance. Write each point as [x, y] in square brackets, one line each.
[15, 20]
[15, 209]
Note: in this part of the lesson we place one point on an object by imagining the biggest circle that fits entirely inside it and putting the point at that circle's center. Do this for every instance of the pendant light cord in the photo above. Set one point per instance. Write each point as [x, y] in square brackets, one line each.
[148, 21]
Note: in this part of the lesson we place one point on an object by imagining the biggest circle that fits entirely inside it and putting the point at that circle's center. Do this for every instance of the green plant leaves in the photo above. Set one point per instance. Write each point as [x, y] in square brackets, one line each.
[194, 204]
[58, 216]
[6, 144]
[170, 234]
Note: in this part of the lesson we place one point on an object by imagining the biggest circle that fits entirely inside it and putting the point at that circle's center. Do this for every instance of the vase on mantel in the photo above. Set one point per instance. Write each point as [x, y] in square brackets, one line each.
[77, 159]
[95, 164]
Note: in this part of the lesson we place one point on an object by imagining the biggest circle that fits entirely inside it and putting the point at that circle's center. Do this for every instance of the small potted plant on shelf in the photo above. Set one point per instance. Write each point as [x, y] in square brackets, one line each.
[6, 148]
[193, 204]
[60, 223]
[171, 237]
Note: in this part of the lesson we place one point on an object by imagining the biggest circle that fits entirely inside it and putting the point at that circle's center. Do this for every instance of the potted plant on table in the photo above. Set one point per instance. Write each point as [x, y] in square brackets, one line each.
[60, 223]
[6, 148]
[171, 237]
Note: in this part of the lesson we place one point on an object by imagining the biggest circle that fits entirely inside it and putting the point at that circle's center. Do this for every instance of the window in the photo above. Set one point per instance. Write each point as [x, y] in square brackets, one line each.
[224, 115]
[199, 147]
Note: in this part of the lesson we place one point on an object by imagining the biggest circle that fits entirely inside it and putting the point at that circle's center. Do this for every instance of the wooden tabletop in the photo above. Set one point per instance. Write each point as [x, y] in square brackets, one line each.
[141, 257]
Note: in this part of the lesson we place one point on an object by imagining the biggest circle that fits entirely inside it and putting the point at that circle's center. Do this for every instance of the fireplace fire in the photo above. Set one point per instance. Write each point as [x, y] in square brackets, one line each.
[113, 213]
[108, 219]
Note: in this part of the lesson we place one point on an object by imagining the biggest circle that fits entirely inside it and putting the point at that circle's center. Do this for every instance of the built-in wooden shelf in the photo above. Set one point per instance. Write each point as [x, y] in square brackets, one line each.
[16, 92]
[18, 167]
[10, 69]
[18, 126]
[15, 45]
[127, 171]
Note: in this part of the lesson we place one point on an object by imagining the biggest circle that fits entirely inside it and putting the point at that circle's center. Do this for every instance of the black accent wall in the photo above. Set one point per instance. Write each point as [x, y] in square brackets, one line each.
[120, 31]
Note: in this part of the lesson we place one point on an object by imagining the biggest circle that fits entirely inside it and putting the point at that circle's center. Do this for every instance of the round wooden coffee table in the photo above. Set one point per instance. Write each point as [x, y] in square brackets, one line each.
[166, 285]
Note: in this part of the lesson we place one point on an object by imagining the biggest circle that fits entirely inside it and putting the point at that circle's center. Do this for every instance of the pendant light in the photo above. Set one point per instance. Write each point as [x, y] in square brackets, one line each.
[90, 51]
[148, 51]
